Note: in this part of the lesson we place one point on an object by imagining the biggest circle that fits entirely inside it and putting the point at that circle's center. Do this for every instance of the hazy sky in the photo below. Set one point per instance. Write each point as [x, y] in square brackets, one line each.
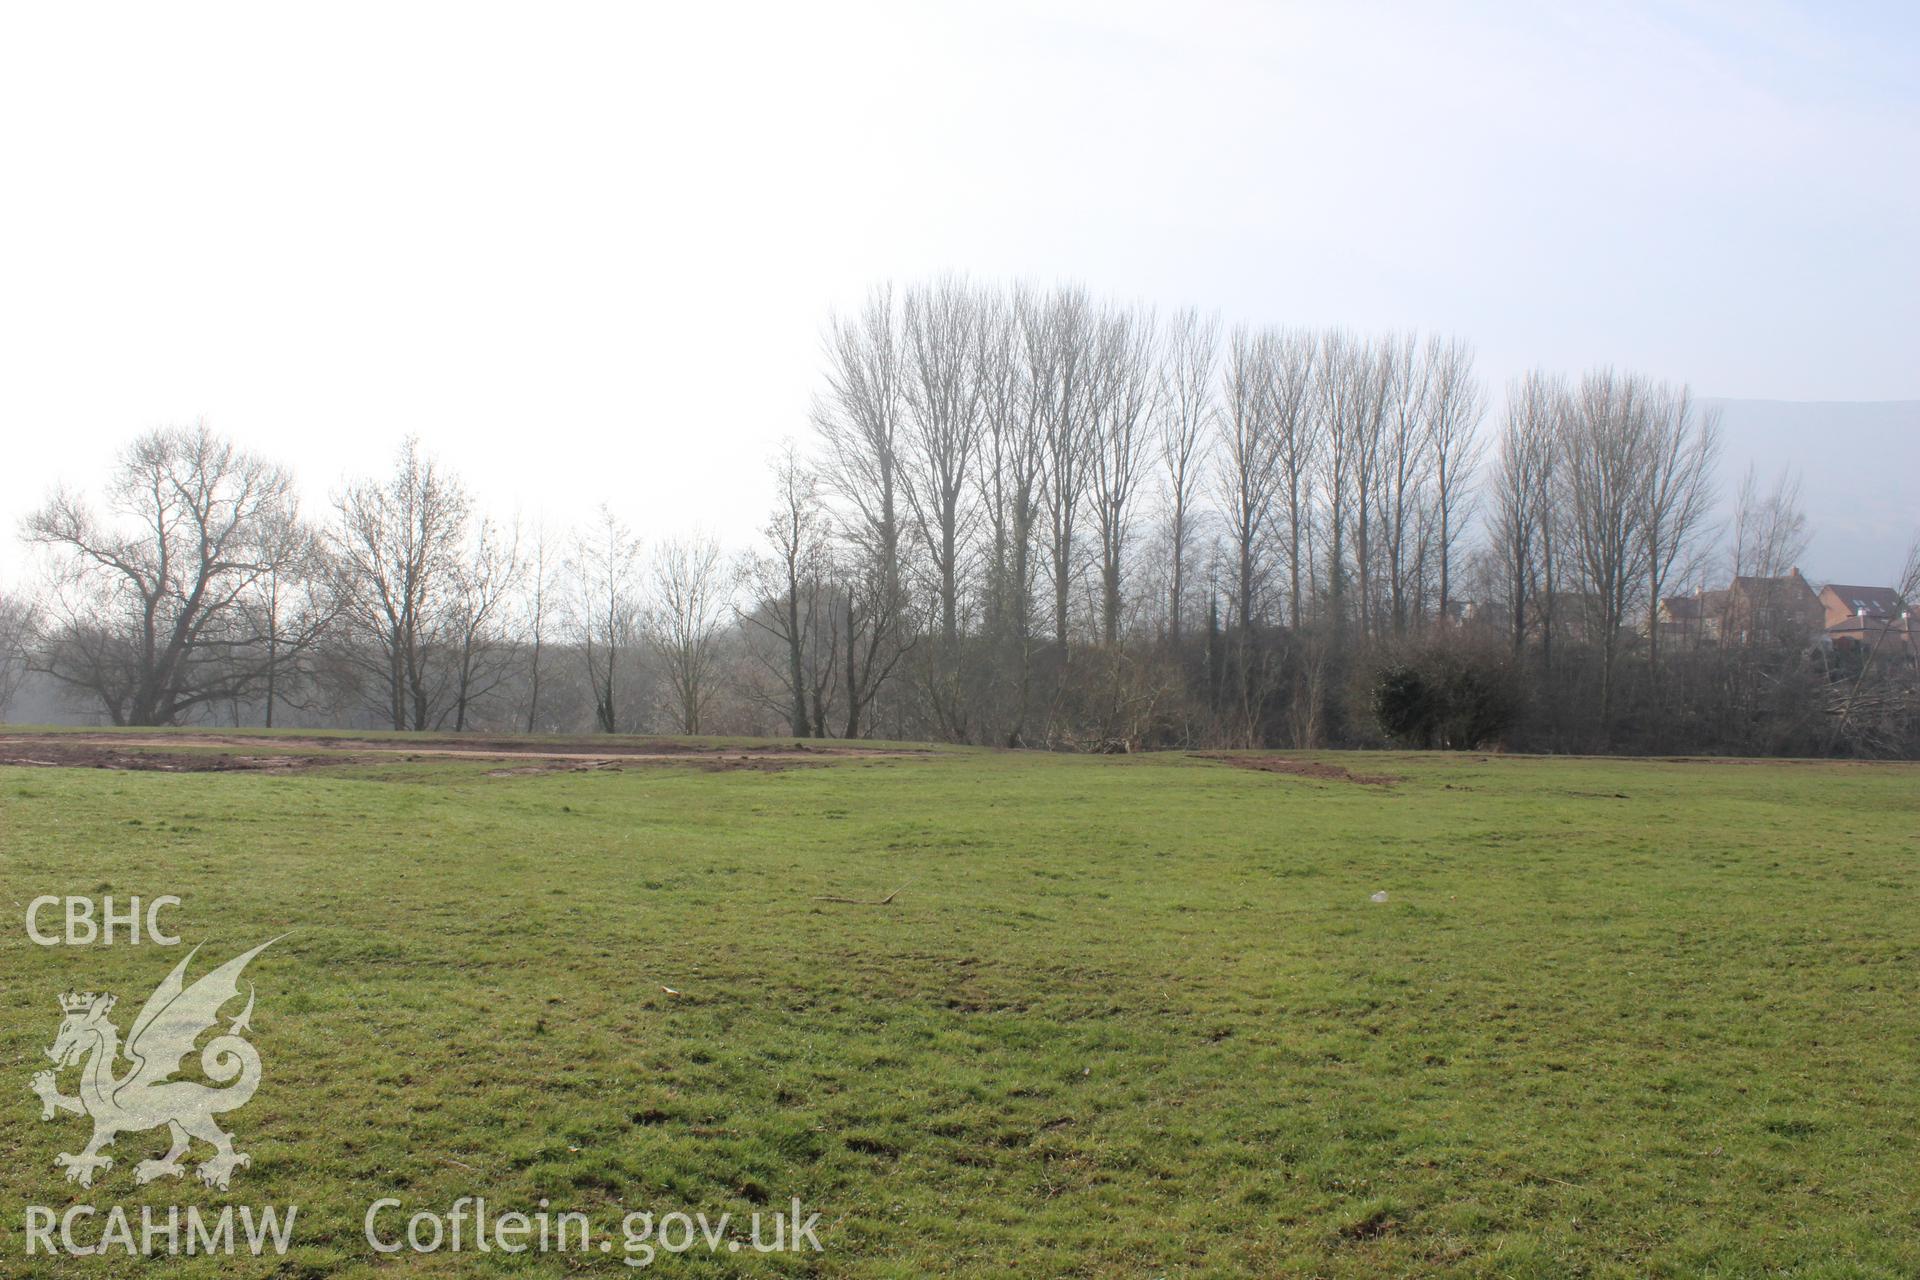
[585, 251]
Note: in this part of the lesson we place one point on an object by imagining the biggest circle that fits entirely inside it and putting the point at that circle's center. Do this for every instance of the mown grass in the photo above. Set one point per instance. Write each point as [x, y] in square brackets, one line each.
[1129, 1017]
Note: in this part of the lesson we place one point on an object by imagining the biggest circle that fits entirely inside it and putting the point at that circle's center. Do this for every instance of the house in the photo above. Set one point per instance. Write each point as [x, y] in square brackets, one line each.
[1843, 603]
[1889, 637]
[1869, 618]
[1686, 621]
[1752, 610]
[1781, 610]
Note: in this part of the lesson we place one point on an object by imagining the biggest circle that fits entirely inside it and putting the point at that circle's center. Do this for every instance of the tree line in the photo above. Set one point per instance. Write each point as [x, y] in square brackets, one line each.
[1021, 516]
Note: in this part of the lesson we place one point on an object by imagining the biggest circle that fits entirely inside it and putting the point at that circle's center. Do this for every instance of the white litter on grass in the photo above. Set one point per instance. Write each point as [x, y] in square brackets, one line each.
[1379, 897]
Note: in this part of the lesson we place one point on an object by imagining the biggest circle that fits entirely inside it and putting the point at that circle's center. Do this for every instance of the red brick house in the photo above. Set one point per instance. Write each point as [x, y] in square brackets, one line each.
[1784, 609]
[1751, 611]
[1869, 618]
[1685, 620]
[1843, 602]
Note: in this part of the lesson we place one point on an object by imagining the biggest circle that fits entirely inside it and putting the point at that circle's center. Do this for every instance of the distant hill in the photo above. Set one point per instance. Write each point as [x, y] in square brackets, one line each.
[1859, 464]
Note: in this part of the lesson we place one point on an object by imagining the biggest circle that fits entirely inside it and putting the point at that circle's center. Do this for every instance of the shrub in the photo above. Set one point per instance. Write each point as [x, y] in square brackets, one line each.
[1446, 693]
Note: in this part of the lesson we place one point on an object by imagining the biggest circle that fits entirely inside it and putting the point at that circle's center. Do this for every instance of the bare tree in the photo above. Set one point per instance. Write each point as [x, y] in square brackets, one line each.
[1604, 448]
[148, 610]
[1682, 446]
[1349, 404]
[19, 629]
[1060, 356]
[1769, 533]
[1361, 434]
[1290, 390]
[859, 422]
[1404, 474]
[1008, 470]
[790, 595]
[683, 625]
[875, 634]
[396, 547]
[1012, 484]
[1522, 494]
[1121, 411]
[538, 605]
[1249, 479]
[605, 571]
[1250, 467]
[1186, 420]
[943, 428]
[1455, 403]
[489, 575]
[293, 608]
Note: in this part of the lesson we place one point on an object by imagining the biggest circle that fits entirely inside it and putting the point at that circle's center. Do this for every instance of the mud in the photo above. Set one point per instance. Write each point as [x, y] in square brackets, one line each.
[1318, 770]
[223, 753]
[44, 753]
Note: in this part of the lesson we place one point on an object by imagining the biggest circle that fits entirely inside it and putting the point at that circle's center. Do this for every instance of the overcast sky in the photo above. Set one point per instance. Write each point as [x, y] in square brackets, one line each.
[585, 251]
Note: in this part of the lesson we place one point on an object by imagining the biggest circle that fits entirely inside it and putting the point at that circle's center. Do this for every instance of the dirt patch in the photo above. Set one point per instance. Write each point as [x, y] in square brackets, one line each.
[757, 761]
[1319, 770]
[565, 748]
[86, 755]
[216, 752]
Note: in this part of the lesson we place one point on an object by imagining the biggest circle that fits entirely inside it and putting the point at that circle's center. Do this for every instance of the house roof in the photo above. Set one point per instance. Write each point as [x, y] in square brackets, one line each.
[1787, 580]
[1874, 601]
[1791, 591]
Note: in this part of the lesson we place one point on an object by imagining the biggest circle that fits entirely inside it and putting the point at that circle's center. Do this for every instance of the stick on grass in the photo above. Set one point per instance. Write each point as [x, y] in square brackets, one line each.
[860, 902]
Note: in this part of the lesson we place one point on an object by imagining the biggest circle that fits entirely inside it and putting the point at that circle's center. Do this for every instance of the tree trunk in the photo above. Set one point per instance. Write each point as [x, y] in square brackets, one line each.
[794, 668]
[853, 686]
[533, 691]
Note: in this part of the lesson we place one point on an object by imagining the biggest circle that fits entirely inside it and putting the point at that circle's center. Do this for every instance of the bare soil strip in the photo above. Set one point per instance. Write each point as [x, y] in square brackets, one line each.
[1318, 770]
[62, 755]
[215, 752]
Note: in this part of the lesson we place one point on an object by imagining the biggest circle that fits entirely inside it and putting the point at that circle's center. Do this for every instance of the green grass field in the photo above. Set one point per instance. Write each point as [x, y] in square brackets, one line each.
[1127, 1017]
